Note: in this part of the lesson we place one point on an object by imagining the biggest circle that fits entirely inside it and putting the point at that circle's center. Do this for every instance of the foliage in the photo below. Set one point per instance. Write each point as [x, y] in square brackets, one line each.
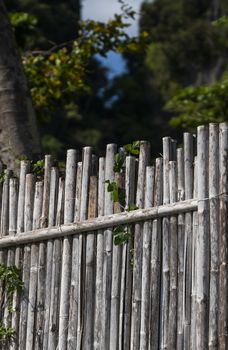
[6, 333]
[65, 78]
[10, 277]
[45, 23]
[132, 148]
[56, 75]
[10, 283]
[200, 105]
[121, 235]
[38, 167]
[117, 193]
[2, 176]
[25, 28]
[119, 163]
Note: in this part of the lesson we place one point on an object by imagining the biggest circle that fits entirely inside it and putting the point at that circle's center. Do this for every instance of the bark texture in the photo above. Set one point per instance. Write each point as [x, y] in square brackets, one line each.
[18, 129]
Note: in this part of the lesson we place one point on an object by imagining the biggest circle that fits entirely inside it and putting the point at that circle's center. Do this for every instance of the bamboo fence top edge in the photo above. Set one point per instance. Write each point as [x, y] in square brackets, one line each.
[99, 223]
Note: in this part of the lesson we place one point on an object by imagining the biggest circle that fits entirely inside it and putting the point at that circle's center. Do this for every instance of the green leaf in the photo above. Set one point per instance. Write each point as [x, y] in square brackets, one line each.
[132, 207]
[119, 163]
[121, 235]
[133, 148]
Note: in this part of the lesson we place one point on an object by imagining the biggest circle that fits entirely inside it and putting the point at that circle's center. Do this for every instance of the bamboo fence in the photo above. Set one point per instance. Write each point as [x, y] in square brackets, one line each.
[166, 287]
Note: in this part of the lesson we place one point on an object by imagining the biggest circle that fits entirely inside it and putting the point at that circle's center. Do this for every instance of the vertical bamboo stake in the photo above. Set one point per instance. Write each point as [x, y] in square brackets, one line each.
[42, 256]
[13, 201]
[71, 164]
[5, 205]
[24, 168]
[126, 273]
[173, 259]
[181, 240]
[28, 210]
[56, 274]
[90, 270]
[107, 267]
[32, 305]
[86, 170]
[54, 181]
[60, 203]
[1, 188]
[137, 267]
[74, 287]
[155, 279]
[78, 192]
[202, 241]
[116, 275]
[194, 262]
[147, 233]
[13, 188]
[29, 198]
[188, 176]
[165, 248]
[214, 234]
[223, 242]
[99, 260]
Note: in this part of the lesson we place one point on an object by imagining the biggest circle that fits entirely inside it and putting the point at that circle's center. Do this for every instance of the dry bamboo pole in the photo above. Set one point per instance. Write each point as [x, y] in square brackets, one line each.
[86, 170]
[146, 258]
[202, 254]
[29, 199]
[99, 260]
[188, 183]
[181, 240]
[214, 234]
[28, 212]
[5, 205]
[194, 265]
[137, 258]
[13, 192]
[165, 278]
[71, 164]
[32, 305]
[89, 308]
[13, 201]
[173, 259]
[223, 243]
[101, 223]
[54, 181]
[1, 188]
[78, 192]
[116, 277]
[42, 256]
[126, 271]
[24, 168]
[155, 278]
[107, 264]
[3, 253]
[56, 274]
[73, 309]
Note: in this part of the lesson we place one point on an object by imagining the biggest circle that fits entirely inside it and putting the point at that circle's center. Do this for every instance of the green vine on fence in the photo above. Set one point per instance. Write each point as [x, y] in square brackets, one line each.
[121, 233]
[10, 282]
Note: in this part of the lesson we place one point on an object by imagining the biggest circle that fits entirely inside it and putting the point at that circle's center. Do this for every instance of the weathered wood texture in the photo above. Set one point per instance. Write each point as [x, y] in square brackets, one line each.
[166, 287]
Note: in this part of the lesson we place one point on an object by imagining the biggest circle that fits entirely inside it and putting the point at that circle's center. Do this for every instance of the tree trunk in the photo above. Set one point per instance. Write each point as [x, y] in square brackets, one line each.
[18, 129]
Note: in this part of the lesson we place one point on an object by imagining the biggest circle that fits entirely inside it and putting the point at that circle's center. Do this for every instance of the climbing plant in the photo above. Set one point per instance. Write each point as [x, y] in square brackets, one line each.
[121, 233]
[11, 282]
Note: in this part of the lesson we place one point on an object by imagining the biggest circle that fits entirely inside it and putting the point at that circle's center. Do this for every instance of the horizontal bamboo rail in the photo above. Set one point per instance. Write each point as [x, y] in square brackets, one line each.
[100, 223]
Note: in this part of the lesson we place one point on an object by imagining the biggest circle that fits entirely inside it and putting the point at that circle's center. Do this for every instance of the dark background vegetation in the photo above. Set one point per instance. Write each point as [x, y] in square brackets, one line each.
[184, 50]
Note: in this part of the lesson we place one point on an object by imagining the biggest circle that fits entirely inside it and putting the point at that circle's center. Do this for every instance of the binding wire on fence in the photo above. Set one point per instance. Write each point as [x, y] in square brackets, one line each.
[121, 252]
